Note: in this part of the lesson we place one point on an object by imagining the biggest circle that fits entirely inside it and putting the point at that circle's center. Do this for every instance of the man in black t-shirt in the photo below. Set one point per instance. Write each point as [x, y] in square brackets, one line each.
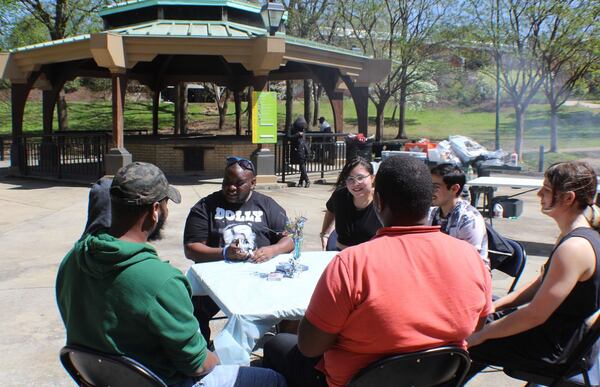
[235, 224]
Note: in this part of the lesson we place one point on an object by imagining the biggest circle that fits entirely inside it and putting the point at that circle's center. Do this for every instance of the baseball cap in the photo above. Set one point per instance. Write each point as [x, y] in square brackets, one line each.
[139, 184]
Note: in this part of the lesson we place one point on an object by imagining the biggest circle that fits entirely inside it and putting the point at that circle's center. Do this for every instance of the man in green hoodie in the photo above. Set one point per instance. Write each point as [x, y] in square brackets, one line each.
[115, 295]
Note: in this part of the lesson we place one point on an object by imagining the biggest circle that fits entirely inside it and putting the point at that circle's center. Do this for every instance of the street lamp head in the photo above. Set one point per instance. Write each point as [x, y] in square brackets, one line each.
[272, 13]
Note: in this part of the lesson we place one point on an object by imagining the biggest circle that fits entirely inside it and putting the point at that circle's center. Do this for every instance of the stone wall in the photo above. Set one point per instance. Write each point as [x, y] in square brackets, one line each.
[167, 152]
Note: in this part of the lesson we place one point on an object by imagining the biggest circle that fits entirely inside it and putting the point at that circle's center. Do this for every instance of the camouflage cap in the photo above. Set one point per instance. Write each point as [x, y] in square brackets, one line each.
[139, 184]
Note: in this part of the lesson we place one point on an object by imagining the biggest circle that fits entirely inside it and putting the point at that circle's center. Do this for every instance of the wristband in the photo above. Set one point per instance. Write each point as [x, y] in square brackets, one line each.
[225, 253]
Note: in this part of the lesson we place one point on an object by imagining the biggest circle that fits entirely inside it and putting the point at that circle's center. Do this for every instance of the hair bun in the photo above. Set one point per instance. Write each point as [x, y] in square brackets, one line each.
[592, 214]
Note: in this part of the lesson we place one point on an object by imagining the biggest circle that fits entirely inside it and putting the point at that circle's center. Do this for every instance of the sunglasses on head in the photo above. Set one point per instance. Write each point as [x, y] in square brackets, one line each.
[242, 162]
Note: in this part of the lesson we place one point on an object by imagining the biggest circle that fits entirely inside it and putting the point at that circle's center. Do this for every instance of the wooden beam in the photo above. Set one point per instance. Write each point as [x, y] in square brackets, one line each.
[119, 88]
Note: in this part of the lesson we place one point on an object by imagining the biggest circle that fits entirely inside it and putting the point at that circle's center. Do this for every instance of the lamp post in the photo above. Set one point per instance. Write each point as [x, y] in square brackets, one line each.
[272, 13]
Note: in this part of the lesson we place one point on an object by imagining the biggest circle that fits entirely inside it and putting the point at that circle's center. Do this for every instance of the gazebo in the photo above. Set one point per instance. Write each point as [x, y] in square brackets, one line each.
[163, 42]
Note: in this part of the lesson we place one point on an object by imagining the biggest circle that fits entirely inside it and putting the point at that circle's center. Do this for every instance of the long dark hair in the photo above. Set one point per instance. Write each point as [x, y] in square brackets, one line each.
[350, 165]
[577, 177]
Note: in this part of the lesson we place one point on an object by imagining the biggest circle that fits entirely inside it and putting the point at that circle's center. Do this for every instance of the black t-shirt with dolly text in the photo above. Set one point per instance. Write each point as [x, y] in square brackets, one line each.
[352, 225]
[258, 222]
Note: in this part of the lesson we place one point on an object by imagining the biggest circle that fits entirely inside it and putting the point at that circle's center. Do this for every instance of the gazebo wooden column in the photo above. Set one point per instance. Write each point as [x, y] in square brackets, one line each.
[360, 96]
[330, 78]
[48, 103]
[18, 98]
[117, 156]
[119, 87]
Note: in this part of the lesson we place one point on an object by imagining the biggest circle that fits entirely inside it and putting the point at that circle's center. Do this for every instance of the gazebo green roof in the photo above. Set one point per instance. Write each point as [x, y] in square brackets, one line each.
[137, 4]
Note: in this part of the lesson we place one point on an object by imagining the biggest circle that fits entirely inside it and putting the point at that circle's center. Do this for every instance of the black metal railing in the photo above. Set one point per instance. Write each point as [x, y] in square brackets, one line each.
[63, 155]
[328, 154]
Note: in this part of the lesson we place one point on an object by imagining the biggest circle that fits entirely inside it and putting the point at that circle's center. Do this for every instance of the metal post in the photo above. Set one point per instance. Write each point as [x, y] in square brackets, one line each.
[541, 159]
[284, 155]
[322, 157]
[497, 75]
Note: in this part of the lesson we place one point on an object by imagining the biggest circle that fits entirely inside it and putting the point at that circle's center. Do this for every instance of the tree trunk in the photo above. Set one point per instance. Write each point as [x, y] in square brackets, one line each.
[249, 109]
[307, 100]
[317, 91]
[184, 108]
[402, 114]
[520, 129]
[238, 112]
[62, 112]
[394, 113]
[553, 129]
[289, 105]
[222, 105]
[380, 118]
[177, 110]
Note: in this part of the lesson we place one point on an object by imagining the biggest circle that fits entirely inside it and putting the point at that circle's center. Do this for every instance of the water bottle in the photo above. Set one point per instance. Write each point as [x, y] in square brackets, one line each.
[498, 210]
[514, 159]
[470, 173]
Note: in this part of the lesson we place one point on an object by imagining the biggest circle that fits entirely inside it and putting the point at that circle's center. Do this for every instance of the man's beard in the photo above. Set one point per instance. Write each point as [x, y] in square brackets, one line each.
[156, 234]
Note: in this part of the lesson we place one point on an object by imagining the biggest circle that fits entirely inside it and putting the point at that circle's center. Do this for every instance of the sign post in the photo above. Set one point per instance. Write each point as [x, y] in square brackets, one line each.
[264, 131]
[264, 117]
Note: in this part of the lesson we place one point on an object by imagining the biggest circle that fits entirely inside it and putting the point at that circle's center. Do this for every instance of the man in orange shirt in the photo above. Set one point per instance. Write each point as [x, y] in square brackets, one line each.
[409, 288]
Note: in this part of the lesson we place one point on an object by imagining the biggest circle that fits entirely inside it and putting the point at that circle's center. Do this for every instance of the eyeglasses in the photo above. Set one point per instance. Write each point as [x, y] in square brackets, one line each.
[242, 162]
[356, 179]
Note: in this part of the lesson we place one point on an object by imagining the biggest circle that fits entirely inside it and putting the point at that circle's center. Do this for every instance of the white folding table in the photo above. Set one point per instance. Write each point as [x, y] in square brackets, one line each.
[253, 303]
[488, 184]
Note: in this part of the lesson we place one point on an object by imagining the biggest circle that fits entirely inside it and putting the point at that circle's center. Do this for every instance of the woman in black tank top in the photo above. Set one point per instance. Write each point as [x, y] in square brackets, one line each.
[551, 311]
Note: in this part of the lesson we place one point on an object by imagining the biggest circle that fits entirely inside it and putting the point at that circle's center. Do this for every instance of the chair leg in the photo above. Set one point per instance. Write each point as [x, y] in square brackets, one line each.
[586, 379]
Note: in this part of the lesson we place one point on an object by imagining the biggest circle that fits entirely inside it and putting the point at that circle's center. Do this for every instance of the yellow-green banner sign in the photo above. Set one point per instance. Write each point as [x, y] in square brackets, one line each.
[264, 117]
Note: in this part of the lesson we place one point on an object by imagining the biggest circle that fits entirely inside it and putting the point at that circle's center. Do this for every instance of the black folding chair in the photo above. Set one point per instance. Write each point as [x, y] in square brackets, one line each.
[431, 367]
[576, 371]
[506, 255]
[96, 369]
[514, 265]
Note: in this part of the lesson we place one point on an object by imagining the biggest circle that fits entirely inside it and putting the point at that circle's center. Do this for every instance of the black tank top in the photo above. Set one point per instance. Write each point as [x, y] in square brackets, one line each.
[566, 325]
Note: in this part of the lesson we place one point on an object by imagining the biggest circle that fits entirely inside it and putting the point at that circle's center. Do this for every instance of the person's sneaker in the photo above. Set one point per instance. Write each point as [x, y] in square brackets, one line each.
[307, 184]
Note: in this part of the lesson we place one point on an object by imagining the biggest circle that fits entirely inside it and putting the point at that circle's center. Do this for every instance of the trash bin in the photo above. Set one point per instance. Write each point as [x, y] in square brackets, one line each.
[512, 208]
[357, 148]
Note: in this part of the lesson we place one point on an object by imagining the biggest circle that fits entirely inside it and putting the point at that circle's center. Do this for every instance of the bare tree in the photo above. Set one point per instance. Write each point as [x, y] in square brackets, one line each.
[221, 96]
[402, 31]
[63, 18]
[305, 18]
[570, 57]
[523, 33]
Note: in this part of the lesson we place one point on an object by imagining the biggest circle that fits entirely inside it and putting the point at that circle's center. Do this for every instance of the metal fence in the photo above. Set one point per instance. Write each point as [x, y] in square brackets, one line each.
[63, 156]
[327, 153]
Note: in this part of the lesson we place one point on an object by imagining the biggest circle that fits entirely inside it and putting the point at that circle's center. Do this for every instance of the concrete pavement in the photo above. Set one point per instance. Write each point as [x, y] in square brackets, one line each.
[41, 220]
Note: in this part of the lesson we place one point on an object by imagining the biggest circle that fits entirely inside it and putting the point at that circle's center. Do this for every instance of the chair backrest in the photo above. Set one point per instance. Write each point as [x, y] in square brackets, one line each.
[332, 242]
[499, 249]
[514, 265]
[93, 368]
[430, 367]
[587, 351]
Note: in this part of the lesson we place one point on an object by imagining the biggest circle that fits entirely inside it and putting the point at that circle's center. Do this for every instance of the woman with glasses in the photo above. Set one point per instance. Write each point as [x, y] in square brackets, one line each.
[350, 207]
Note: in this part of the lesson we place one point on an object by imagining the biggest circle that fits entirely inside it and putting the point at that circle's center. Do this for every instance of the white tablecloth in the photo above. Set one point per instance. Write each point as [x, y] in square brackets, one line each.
[252, 303]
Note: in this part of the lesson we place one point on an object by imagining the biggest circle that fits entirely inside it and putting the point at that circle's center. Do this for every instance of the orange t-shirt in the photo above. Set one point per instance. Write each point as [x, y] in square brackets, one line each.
[410, 288]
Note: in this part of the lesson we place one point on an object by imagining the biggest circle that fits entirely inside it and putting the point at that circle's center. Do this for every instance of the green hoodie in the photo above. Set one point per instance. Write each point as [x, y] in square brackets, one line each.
[119, 297]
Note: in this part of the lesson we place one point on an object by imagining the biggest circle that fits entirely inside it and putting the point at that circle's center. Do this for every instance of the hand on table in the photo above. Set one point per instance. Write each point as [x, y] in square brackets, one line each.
[262, 255]
[235, 252]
